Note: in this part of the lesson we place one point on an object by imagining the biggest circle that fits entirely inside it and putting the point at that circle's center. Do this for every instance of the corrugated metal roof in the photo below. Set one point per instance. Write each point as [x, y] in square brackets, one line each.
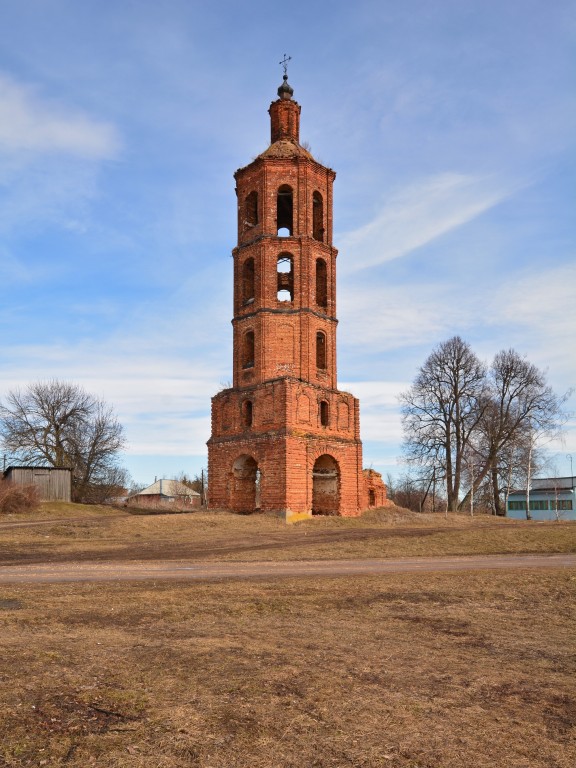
[553, 483]
[168, 488]
[541, 493]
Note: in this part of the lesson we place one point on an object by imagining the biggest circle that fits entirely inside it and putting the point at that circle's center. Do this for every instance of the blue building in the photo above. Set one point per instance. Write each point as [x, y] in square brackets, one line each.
[550, 497]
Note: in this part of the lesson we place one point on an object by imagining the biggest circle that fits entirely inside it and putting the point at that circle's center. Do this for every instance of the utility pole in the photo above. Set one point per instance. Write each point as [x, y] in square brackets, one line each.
[569, 456]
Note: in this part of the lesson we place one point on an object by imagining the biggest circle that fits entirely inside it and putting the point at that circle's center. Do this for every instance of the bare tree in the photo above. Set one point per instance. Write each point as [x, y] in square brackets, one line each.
[112, 484]
[442, 410]
[59, 424]
[516, 463]
[405, 492]
[477, 426]
[521, 410]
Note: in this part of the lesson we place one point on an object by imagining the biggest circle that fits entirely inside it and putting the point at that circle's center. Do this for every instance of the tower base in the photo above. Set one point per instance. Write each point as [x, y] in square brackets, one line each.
[277, 454]
[292, 477]
[287, 475]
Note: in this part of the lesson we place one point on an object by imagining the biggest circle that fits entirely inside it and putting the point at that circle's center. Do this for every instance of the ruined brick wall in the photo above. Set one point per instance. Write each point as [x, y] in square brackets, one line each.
[374, 489]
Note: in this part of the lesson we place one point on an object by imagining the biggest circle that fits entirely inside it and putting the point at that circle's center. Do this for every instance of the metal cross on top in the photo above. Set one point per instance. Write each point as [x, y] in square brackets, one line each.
[284, 63]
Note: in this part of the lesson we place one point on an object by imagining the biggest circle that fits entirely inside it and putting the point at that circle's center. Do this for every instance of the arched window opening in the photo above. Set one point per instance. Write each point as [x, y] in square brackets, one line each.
[284, 211]
[257, 490]
[285, 277]
[245, 487]
[321, 283]
[326, 486]
[251, 210]
[248, 281]
[317, 217]
[248, 409]
[371, 498]
[248, 350]
[321, 350]
[323, 413]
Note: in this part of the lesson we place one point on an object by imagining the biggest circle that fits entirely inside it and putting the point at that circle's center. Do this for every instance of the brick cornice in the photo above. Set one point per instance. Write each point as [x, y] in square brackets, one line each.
[271, 311]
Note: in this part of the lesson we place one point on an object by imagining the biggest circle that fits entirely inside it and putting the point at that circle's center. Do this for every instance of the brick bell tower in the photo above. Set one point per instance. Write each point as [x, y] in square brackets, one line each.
[284, 438]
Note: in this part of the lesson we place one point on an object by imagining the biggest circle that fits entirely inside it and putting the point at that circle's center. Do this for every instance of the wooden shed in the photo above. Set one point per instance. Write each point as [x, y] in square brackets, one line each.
[53, 483]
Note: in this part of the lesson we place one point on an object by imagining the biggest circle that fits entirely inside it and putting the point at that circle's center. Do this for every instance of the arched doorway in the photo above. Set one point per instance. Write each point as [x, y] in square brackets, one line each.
[326, 486]
[245, 491]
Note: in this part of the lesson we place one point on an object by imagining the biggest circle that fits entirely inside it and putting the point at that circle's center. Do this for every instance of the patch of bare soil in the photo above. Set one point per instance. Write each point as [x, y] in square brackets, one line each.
[408, 671]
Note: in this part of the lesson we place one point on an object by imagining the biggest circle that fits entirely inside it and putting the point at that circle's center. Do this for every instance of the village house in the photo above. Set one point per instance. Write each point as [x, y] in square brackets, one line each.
[166, 492]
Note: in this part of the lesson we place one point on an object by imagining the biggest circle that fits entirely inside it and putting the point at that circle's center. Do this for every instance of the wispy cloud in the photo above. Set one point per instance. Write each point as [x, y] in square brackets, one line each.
[400, 315]
[420, 213]
[32, 124]
[540, 305]
[47, 190]
[379, 409]
[50, 157]
[542, 300]
[162, 400]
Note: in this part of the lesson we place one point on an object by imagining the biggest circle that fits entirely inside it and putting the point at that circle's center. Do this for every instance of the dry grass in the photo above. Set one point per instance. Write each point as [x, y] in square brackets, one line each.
[49, 510]
[68, 532]
[412, 671]
[17, 499]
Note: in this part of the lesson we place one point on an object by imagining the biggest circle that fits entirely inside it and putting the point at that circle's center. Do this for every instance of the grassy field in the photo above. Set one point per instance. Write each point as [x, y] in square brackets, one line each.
[446, 670]
[434, 671]
[68, 532]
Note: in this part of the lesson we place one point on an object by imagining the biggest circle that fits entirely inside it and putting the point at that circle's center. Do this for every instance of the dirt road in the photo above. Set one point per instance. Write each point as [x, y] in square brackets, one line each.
[190, 571]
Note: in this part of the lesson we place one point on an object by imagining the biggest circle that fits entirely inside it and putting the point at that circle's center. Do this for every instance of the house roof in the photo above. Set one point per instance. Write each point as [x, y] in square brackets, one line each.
[546, 486]
[553, 483]
[540, 493]
[35, 467]
[168, 488]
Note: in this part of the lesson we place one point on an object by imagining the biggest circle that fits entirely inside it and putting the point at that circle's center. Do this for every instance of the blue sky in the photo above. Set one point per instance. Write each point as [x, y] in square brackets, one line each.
[451, 126]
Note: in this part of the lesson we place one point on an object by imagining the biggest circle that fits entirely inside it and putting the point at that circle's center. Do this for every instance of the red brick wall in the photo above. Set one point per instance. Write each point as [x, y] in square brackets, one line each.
[284, 120]
[285, 404]
[285, 438]
[303, 174]
[286, 464]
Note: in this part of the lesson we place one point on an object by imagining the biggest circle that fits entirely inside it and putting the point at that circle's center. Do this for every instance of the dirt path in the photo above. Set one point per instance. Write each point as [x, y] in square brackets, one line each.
[189, 571]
